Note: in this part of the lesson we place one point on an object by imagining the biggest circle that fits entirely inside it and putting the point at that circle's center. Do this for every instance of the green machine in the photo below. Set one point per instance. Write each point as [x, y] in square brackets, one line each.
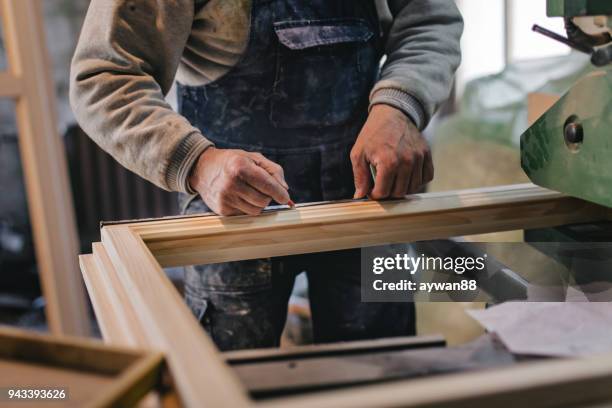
[569, 148]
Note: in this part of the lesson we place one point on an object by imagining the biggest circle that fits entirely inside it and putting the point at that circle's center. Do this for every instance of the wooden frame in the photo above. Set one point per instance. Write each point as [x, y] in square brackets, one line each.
[92, 374]
[29, 83]
[136, 303]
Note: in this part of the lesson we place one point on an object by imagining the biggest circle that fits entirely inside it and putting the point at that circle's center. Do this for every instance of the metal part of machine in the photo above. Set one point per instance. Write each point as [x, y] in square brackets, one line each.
[573, 8]
[569, 148]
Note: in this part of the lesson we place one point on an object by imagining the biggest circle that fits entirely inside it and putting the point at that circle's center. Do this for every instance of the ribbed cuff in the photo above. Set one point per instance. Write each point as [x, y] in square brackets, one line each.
[184, 157]
[402, 101]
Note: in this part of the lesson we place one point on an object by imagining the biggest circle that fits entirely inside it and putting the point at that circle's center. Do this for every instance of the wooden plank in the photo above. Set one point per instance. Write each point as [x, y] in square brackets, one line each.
[548, 384]
[134, 383]
[117, 318]
[538, 103]
[103, 292]
[93, 374]
[45, 170]
[167, 229]
[335, 349]
[201, 376]
[294, 376]
[193, 358]
[118, 299]
[274, 372]
[74, 353]
[81, 386]
[102, 295]
[211, 239]
[10, 85]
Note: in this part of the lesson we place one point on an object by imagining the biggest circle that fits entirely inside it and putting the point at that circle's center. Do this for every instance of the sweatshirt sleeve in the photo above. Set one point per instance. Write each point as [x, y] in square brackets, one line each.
[423, 53]
[125, 61]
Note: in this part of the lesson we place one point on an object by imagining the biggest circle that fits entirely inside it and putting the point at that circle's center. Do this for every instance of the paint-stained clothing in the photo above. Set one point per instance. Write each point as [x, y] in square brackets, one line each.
[299, 95]
[130, 51]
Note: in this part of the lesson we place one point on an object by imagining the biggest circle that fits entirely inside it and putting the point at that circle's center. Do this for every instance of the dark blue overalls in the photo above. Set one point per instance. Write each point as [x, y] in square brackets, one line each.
[299, 96]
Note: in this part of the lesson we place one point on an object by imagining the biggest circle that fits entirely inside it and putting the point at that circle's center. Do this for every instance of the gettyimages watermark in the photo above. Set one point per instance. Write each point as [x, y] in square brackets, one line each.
[451, 271]
[409, 264]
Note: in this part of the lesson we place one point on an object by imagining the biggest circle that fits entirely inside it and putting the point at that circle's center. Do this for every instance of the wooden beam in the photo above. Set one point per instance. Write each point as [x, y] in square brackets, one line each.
[10, 85]
[211, 239]
[251, 356]
[104, 292]
[99, 295]
[199, 372]
[551, 383]
[201, 376]
[45, 171]
[119, 299]
[93, 374]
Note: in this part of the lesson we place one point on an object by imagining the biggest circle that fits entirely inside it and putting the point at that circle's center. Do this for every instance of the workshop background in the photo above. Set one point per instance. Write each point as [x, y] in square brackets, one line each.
[475, 140]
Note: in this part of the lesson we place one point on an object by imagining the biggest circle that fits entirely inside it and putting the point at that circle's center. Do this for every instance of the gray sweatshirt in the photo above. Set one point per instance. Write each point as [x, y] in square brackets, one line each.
[130, 52]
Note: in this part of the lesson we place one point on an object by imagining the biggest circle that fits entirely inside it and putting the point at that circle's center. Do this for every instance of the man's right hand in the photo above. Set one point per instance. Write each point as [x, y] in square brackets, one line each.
[233, 182]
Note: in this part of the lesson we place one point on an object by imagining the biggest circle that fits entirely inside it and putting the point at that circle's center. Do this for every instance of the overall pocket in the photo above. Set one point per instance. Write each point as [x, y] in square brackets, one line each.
[325, 70]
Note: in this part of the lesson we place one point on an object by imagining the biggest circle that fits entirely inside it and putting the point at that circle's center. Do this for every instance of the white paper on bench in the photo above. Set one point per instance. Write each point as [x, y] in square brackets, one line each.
[550, 329]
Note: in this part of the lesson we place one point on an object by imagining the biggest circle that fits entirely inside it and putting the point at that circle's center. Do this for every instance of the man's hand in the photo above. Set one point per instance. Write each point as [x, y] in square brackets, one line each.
[391, 143]
[233, 182]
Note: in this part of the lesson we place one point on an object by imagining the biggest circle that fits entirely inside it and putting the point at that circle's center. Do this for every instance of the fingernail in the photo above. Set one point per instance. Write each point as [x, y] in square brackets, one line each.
[290, 203]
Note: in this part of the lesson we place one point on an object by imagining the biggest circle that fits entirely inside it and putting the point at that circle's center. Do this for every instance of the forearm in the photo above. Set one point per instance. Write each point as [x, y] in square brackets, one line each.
[124, 64]
[423, 53]
[129, 119]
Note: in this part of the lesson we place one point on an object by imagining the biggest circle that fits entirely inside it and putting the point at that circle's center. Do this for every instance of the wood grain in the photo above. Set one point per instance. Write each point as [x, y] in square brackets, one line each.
[200, 374]
[560, 383]
[212, 239]
[80, 385]
[318, 350]
[10, 85]
[94, 375]
[118, 299]
[44, 167]
[103, 298]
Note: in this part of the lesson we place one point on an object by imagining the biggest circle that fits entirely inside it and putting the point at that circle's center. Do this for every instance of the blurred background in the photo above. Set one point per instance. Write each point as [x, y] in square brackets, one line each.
[474, 139]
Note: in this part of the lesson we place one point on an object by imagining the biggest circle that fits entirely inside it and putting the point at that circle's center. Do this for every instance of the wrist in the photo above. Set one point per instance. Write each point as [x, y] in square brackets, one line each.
[198, 166]
[391, 111]
[402, 101]
[393, 115]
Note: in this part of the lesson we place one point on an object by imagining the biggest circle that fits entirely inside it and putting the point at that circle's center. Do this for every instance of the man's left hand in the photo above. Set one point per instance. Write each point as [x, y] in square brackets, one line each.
[391, 143]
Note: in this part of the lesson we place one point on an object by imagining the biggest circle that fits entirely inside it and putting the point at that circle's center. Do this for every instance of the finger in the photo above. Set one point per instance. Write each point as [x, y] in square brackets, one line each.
[385, 176]
[416, 178]
[402, 182]
[274, 169]
[227, 210]
[263, 182]
[234, 204]
[245, 207]
[252, 196]
[428, 168]
[361, 176]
